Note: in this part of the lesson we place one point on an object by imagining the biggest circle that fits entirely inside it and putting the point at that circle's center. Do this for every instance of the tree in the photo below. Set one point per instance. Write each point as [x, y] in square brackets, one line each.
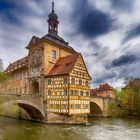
[3, 77]
[130, 95]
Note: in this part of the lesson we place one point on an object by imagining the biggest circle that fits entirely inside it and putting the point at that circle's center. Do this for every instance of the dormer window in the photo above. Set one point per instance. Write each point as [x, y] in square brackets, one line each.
[54, 54]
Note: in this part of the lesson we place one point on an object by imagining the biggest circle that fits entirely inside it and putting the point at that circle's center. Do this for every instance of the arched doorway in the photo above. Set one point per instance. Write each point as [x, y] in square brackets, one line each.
[35, 87]
[95, 110]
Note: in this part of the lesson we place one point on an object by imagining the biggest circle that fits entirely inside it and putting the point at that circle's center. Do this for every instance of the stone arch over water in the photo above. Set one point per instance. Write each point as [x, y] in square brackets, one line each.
[34, 111]
[95, 109]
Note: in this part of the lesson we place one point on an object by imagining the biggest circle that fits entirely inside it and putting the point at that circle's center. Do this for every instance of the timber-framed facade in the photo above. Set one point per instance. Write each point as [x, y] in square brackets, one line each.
[54, 70]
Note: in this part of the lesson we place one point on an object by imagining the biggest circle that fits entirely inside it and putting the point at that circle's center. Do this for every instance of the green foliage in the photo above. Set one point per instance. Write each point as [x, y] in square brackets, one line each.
[125, 95]
[3, 77]
[130, 95]
[113, 106]
[116, 93]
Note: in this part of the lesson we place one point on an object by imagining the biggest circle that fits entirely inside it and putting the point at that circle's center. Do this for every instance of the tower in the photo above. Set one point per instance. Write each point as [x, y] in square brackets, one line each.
[53, 22]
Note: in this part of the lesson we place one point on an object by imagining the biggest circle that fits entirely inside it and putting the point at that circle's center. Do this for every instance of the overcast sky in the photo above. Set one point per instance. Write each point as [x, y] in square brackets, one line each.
[106, 32]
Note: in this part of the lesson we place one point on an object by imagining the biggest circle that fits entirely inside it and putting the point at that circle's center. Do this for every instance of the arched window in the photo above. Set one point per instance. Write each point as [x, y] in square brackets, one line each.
[54, 54]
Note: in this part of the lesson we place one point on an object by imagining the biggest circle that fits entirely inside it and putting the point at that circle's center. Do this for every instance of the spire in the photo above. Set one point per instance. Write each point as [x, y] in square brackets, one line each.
[53, 21]
[53, 6]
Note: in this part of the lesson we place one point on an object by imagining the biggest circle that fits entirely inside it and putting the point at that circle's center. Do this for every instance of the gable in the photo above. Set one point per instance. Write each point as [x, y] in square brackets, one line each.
[80, 69]
[33, 41]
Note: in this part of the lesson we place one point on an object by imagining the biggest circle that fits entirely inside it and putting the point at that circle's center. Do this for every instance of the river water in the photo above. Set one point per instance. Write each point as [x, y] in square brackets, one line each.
[101, 129]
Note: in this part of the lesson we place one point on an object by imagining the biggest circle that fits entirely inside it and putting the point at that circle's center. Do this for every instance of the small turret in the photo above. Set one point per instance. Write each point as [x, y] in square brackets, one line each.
[53, 22]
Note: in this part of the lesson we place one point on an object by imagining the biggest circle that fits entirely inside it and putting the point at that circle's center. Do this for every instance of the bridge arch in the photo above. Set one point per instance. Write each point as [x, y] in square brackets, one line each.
[95, 109]
[33, 110]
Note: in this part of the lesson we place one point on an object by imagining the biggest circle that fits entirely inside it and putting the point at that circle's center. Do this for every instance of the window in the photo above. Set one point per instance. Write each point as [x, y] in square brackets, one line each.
[24, 90]
[87, 106]
[78, 106]
[81, 93]
[87, 94]
[65, 92]
[54, 54]
[20, 90]
[80, 82]
[86, 83]
[49, 81]
[49, 92]
[64, 106]
[76, 92]
[65, 80]
[73, 80]
[68, 64]
[16, 90]
[72, 92]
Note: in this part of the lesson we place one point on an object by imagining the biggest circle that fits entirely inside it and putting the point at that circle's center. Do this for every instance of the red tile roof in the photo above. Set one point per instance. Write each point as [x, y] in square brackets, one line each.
[94, 91]
[105, 87]
[23, 62]
[102, 90]
[64, 65]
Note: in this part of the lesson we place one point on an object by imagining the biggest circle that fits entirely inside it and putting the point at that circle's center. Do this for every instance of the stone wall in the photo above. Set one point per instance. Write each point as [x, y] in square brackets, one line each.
[10, 108]
[66, 119]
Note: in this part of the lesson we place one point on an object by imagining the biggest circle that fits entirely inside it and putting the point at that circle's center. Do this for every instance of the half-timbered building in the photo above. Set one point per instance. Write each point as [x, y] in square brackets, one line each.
[54, 70]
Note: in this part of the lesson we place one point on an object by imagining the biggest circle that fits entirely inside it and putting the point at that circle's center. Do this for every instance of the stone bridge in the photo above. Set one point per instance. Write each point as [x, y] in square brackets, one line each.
[34, 106]
[99, 106]
[31, 103]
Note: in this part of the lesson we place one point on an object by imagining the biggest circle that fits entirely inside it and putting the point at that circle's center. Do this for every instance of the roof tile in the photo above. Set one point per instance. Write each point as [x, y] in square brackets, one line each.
[64, 65]
[23, 62]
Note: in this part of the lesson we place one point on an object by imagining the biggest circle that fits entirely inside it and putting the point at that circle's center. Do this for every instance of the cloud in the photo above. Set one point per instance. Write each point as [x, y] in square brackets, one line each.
[88, 25]
[132, 33]
[104, 77]
[124, 60]
[89, 21]
[123, 5]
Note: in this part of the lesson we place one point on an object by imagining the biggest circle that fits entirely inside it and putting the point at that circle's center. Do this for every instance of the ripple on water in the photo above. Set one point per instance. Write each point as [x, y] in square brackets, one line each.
[103, 129]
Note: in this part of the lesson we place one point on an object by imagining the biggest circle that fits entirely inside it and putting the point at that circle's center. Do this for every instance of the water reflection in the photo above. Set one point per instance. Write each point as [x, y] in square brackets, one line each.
[102, 129]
